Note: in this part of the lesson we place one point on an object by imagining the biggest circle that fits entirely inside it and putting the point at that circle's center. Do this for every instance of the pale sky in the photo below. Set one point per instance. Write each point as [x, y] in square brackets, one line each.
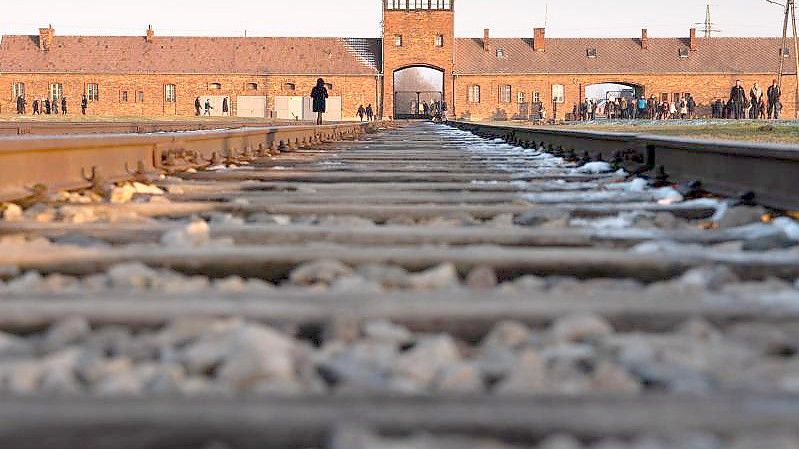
[361, 18]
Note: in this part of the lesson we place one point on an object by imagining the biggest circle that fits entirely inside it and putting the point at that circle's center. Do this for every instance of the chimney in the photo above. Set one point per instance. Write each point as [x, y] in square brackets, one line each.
[150, 34]
[693, 43]
[486, 39]
[46, 36]
[539, 39]
[644, 39]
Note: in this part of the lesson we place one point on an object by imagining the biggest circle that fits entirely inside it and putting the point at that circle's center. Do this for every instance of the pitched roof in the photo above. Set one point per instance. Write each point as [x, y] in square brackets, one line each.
[614, 55]
[208, 55]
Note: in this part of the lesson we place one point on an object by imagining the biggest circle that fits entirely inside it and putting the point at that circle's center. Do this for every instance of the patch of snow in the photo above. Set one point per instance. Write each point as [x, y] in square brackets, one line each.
[636, 185]
[595, 168]
[667, 195]
[788, 226]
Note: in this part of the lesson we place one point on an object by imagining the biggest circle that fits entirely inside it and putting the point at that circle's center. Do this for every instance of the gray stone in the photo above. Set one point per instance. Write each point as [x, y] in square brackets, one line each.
[482, 278]
[57, 382]
[430, 355]
[436, 278]
[708, 277]
[538, 217]
[13, 346]
[22, 377]
[495, 362]
[256, 353]
[66, 332]
[740, 216]
[528, 376]
[610, 378]
[133, 275]
[382, 331]
[356, 284]
[560, 442]
[347, 221]
[320, 271]
[94, 370]
[387, 276]
[778, 240]
[460, 378]
[511, 334]
[165, 379]
[363, 366]
[113, 341]
[580, 327]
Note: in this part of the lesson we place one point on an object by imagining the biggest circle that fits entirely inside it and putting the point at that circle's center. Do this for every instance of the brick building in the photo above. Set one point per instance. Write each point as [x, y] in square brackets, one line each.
[480, 77]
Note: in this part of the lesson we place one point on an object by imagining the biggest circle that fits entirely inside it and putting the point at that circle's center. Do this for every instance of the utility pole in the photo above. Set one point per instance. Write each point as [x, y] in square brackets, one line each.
[708, 27]
[790, 14]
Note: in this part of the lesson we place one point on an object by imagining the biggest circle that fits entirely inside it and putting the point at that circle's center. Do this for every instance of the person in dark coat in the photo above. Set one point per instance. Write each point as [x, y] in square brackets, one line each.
[19, 105]
[208, 108]
[35, 107]
[774, 94]
[319, 95]
[64, 105]
[225, 107]
[84, 103]
[361, 112]
[738, 100]
[47, 108]
[691, 107]
[370, 113]
[55, 106]
[198, 107]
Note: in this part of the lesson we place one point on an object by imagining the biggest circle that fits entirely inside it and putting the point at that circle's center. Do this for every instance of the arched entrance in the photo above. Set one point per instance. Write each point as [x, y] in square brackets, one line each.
[418, 91]
[602, 93]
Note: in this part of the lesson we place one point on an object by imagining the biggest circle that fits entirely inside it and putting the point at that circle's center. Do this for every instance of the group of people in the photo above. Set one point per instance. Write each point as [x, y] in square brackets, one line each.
[367, 112]
[632, 108]
[46, 106]
[756, 105]
[201, 109]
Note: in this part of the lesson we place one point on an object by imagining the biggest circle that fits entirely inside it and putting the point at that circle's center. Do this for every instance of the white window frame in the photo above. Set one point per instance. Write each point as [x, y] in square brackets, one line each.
[170, 93]
[56, 91]
[93, 92]
[521, 97]
[439, 40]
[505, 94]
[18, 90]
[473, 95]
[398, 41]
[558, 93]
[139, 96]
[536, 97]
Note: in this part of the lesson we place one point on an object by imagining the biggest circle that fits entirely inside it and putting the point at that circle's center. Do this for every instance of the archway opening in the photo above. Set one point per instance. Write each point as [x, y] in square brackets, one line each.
[614, 94]
[418, 92]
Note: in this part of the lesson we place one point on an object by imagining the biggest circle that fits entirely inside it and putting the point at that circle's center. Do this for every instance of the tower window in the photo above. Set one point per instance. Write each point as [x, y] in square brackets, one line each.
[505, 93]
[474, 94]
[439, 40]
[398, 40]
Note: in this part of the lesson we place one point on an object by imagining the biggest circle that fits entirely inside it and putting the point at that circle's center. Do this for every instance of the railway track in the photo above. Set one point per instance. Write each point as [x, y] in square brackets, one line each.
[419, 287]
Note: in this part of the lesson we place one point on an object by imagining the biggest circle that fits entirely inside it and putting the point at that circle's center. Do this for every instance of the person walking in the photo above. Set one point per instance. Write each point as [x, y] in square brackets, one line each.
[319, 95]
[361, 112]
[55, 106]
[208, 107]
[47, 108]
[64, 105]
[84, 103]
[774, 106]
[683, 109]
[35, 107]
[738, 100]
[691, 105]
[198, 107]
[370, 113]
[225, 107]
[756, 97]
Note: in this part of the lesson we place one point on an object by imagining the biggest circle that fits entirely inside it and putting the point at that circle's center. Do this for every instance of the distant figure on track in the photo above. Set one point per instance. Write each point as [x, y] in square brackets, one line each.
[84, 103]
[47, 108]
[64, 105]
[35, 107]
[55, 106]
[319, 95]
[774, 106]
[738, 101]
[19, 104]
[691, 107]
[361, 112]
[198, 107]
[208, 108]
[755, 98]
[370, 113]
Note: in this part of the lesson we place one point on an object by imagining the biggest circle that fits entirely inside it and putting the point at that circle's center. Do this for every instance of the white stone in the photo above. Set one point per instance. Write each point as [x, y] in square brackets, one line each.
[146, 189]
[385, 275]
[257, 353]
[197, 233]
[12, 212]
[580, 327]
[66, 332]
[385, 332]
[512, 334]
[96, 369]
[430, 355]
[459, 378]
[133, 275]
[122, 194]
[436, 278]
[320, 271]
[609, 378]
[528, 376]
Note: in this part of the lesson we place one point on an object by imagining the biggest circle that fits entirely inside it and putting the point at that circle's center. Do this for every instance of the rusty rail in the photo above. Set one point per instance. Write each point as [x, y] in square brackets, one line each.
[78, 161]
[766, 171]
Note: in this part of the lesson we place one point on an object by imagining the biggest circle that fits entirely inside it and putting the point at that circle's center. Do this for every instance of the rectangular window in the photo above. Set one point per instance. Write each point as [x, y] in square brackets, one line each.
[474, 94]
[558, 93]
[505, 94]
[664, 97]
[398, 40]
[170, 93]
[439, 40]
[56, 90]
[521, 97]
[676, 97]
[140, 96]
[123, 96]
[92, 92]
[536, 97]
[19, 90]
[252, 86]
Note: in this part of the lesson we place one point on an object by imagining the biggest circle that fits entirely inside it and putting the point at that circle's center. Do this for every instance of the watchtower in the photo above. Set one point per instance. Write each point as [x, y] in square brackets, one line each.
[417, 33]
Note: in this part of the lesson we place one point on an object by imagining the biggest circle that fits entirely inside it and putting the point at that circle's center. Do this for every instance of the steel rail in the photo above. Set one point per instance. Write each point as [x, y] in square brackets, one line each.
[59, 128]
[78, 161]
[769, 171]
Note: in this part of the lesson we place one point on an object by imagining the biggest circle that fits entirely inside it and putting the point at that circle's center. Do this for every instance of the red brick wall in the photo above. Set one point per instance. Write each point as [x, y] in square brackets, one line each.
[354, 90]
[704, 88]
[419, 29]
